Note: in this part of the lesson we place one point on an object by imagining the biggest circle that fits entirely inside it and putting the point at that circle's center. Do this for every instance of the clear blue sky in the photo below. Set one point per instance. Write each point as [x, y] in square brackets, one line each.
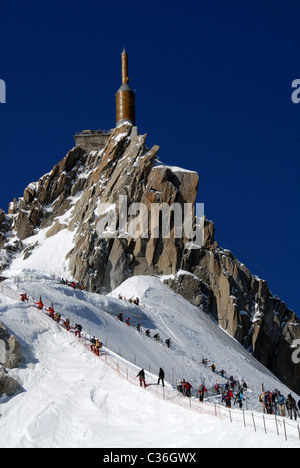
[213, 89]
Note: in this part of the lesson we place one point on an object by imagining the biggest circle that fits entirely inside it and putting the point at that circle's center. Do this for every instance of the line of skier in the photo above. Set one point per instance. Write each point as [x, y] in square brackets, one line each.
[183, 386]
[96, 344]
[142, 377]
[272, 402]
[228, 396]
[147, 331]
[276, 403]
[57, 318]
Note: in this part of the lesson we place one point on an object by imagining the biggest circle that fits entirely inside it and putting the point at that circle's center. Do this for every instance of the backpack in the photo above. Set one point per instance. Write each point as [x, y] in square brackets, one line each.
[280, 400]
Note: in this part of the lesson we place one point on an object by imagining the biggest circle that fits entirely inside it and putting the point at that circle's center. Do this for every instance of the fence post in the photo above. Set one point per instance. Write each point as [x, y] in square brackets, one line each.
[253, 422]
[284, 430]
[244, 418]
[264, 423]
[230, 416]
[276, 425]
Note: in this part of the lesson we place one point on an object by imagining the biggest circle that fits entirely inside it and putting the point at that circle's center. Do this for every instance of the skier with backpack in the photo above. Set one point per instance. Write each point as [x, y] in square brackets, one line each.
[188, 388]
[142, 378]
[67, 324]
[240, 398]
[228, 396]
[168, 342]
[201, 392]
[78, 330]
[291, 407]
[51, 312]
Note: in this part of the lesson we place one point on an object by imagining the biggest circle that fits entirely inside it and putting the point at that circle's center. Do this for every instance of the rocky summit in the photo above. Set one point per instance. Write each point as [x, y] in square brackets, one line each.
[83, 192]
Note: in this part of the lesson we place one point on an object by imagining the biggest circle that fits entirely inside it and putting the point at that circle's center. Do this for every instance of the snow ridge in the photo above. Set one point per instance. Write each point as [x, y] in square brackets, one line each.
[70, 398]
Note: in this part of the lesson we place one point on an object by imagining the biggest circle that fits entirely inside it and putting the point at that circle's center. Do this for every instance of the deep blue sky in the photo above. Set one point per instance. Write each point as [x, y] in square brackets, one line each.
[213, 89]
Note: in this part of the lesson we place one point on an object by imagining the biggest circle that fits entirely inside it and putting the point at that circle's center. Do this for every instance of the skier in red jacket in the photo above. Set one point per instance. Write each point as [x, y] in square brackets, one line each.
[228, 398]
[188, 388]
[51, 312]
[40, 304]
[24, 297]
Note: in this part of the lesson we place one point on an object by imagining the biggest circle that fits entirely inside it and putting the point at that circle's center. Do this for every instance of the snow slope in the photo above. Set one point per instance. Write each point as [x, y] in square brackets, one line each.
[72, 398]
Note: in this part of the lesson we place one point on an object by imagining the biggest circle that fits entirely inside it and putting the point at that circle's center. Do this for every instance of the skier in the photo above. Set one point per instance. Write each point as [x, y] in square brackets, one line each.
[179, 386]
[239, 399]
[147, 333]
[213, 368]
[128, 321]
[217, 388]
[120, 317]
[67, 324]
[57, 317]
[168, 342]
[93, 343]
[188, 388]
[78, 329]
[268, 399]
[96, 347]
[275, 401]
[244, 386]
[40, 304]
[157, 337]
[227, 397]
[51, 312]
[24, 297]
[142, 378]
[261, 399]
[291, 407]
[138, 327]
[281, 404]
[201, 392]
[161, 377]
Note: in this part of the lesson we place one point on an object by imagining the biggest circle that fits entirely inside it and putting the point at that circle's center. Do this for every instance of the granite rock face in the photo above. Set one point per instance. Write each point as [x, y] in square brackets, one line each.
[8, 385]
[10, 349]
[83, 184]
[243, 305]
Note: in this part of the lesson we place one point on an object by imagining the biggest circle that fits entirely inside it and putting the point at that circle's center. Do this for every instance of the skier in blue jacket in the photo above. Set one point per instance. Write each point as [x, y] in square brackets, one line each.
[240, 398]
